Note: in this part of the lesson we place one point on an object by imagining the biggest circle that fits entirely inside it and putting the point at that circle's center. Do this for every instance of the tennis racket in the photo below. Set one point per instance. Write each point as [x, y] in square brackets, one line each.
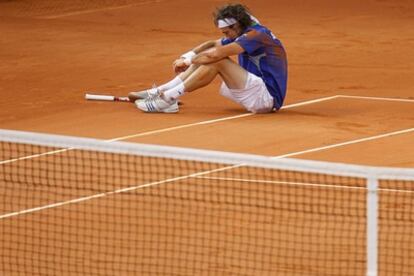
[110, 98]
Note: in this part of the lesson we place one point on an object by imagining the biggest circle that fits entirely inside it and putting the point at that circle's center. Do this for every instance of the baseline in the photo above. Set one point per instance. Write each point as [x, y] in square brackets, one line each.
[100, 9]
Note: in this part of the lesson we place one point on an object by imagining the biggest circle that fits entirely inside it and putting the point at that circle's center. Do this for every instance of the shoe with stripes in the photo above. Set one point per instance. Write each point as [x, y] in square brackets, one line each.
[144, 94]
[157, 105]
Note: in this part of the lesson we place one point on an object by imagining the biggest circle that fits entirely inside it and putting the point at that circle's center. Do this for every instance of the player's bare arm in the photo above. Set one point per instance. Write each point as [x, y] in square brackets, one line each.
[206, 45]
[181, 65]
[207, 55]
[217, 53]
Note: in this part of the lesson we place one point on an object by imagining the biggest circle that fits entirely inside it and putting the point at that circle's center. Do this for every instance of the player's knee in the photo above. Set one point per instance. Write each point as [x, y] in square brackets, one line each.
[220, 63]
[223, 61]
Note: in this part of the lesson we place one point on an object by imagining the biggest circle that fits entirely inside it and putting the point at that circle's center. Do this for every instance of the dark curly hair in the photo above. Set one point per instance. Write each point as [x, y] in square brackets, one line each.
[237, 11]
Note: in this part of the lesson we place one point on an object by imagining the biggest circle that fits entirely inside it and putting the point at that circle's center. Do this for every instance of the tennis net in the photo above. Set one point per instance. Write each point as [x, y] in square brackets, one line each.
[73, 205]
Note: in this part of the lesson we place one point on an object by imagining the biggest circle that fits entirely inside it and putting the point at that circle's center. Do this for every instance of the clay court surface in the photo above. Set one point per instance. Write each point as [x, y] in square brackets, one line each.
[350, 95]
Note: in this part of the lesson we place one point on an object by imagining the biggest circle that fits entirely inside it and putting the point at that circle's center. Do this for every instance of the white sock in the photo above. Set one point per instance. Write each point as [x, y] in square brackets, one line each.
[174, 93]
[171, 84]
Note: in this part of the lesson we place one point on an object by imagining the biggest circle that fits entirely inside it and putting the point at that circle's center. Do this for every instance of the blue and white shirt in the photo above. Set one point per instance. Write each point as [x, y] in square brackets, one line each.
[265, 57]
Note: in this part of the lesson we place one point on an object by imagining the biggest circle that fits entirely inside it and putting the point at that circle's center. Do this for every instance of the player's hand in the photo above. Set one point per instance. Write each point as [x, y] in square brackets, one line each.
[179, 65]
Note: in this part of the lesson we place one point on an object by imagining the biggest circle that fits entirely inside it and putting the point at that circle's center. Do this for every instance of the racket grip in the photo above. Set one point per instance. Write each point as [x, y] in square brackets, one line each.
[99, 97]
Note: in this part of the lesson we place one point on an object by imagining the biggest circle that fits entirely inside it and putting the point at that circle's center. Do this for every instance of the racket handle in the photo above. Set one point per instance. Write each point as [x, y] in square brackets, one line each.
[95, 97]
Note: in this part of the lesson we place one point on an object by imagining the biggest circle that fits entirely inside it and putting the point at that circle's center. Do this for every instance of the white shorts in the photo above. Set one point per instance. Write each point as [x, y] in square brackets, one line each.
[254, 97]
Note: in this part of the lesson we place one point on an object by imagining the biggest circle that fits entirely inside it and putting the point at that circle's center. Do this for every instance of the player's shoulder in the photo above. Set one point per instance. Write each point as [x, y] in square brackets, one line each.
[254, 31]
[258, 28]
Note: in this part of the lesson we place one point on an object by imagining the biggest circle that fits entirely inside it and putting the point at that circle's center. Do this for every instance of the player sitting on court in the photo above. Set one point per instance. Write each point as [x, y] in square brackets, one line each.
[258, 82]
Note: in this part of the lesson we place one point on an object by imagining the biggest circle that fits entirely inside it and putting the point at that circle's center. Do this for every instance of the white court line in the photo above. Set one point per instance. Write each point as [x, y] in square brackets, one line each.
[375, 137]
[377, 98]
[147, 133]
[306, 184]
[104, 194]
[99, 9]
[250, 114]
[217, 120]
[34, 156]
[316, 185]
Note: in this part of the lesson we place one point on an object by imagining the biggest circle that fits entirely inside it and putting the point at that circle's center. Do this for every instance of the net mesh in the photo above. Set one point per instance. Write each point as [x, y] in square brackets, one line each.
[91, 212]
[396, 224]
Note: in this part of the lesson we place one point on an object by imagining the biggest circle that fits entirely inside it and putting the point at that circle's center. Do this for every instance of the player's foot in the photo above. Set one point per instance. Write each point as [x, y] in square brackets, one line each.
[144, 94]
[157, 105]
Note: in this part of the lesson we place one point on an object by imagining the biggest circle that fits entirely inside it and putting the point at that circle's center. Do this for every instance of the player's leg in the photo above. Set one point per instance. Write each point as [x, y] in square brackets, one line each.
[187, 73]
[196, 77]
[231, 73]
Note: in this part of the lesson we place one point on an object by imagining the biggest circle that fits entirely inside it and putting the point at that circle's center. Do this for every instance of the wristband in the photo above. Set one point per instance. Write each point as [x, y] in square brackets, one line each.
[188, 57]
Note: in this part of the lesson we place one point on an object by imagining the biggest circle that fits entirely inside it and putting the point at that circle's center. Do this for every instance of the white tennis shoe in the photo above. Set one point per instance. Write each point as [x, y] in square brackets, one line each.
[157, 105]
[144, 94]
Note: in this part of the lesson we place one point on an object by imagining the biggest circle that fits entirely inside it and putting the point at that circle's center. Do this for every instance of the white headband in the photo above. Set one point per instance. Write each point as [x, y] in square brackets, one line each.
[222, 23]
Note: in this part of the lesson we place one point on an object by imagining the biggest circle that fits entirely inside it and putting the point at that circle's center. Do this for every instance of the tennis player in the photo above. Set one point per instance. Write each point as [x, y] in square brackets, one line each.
[258, 82]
